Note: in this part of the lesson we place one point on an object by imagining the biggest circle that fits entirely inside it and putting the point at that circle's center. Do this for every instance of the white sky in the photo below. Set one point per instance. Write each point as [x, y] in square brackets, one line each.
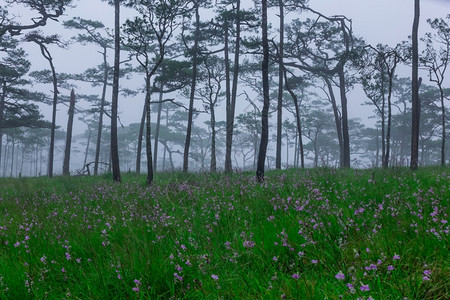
[378, 21]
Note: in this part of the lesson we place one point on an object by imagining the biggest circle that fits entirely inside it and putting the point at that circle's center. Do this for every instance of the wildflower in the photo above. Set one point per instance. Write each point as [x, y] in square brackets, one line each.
[340, 276]
[136, 289]
[275, 258]
[390, 268]
[137, 282]
[396, 257]
[63, 270]
[314, 261]
[68, 256]
[17, 244]
[367, 250]
[364, 288]
[178, 277]
[295, 276]
[215, 277]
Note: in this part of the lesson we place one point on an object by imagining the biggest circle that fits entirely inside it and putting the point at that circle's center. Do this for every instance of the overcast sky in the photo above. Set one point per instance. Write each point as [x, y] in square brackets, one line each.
[378, 21]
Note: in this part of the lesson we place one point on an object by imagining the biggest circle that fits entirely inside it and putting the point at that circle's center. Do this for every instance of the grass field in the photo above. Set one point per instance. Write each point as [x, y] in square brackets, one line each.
[303, 234]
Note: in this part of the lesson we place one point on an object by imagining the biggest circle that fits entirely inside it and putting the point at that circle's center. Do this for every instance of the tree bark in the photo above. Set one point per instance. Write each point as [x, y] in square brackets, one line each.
[102, 109]
[280, 88]
[298, 119]
[2, 107]
[148, 144]
[158, 124]
[66, 164]
[265, 110]
[414, 164]
[232, 106]
[345, 134]
[337, 120]
[115, 95]
[192, 95]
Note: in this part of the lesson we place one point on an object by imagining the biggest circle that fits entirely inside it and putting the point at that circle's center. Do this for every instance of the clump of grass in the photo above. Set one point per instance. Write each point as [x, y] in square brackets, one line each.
[301, 234]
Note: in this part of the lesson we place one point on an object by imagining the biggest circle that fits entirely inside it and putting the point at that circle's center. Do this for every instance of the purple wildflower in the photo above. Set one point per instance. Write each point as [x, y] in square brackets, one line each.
[340, 276]
[215, 277]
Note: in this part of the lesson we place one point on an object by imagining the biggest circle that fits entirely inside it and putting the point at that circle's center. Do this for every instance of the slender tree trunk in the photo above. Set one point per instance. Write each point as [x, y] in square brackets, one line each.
[158, 124]
[53, 128]
[345, 134]
[148, 143]
[2, 108]
[12, 157]
[232, 106]
[337, 121]
[383, 129]
[102, 110]
[389, 121]
[265, 110]
[213, 166]
[280, 88]
[87, 146]
[415, 90]
[442, 124]
[298, 119]
[139, 144]
[192, 95]
[115, 95]
[66, 164]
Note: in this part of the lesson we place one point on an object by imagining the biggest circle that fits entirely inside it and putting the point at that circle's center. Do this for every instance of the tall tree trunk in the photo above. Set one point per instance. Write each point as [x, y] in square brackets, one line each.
[337, 120]
[389, 121]
[383, 127]
[298, 119]
[148, 143]
[265, 110]
[140, 135]
[66, 164]
[158, 124]
[280, 88]
[345, 134]
[87, 146]
[232, 106]
[53, 128]
[192, 95]
[102, 110]
[415, 90]
[213, 166]
[442, 124]
[115, 95]
[12, 156]
[2, 107]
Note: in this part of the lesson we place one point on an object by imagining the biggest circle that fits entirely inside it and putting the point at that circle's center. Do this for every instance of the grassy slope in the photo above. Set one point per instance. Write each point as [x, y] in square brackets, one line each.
[210, 236]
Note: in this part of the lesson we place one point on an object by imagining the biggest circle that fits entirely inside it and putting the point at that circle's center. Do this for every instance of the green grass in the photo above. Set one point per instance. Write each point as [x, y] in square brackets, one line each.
[226, 236]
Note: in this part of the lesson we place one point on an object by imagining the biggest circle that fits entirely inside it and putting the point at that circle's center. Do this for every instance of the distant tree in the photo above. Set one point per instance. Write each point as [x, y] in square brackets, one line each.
[436, 62]
[95, 76]
[324, 47]
[44, 10]
[157, 22]
[43, 42]
[415, 89]
[377, 76]
[213, 70]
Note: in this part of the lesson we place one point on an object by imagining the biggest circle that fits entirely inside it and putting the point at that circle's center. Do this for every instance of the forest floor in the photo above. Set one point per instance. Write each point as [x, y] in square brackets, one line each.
[303, 234]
